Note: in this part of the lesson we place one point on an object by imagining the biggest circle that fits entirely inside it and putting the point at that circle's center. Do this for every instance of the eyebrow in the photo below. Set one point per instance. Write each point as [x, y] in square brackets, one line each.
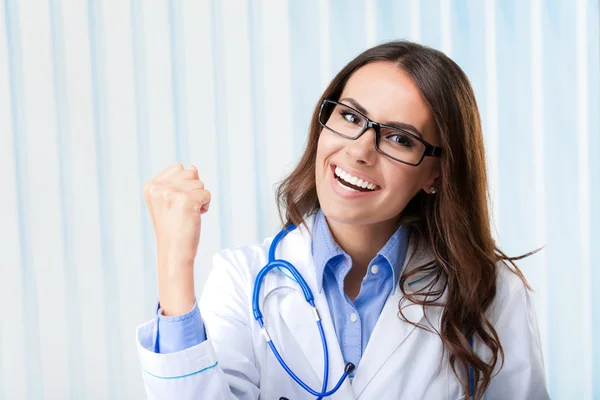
[399, 125]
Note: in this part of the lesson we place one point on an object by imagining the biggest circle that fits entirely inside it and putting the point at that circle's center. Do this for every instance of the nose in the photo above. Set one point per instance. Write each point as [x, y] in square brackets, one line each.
[362, 150]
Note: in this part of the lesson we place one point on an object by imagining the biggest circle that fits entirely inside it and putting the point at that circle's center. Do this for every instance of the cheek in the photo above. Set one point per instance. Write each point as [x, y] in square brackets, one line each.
[323, 153]
[326, 143]
[320, 154]
[326, 146]
[404, 179]
[404, 182]
[414, 177]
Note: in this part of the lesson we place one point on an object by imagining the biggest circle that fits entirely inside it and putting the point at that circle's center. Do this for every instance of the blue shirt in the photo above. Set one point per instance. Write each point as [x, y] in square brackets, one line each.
[354, 321]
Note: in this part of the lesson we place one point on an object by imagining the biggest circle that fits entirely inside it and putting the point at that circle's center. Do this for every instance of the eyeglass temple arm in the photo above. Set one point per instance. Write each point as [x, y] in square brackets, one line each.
[433, 151]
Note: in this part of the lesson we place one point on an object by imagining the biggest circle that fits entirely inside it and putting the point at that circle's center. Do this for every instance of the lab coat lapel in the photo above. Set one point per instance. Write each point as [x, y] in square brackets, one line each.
[390, 331]
[297, 315]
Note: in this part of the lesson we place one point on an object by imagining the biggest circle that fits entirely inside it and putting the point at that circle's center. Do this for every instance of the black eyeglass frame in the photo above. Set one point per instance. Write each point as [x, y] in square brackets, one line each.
[430, 150]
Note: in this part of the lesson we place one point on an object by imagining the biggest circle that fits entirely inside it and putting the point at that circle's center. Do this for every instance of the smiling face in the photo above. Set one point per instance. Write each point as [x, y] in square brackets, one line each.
[386, 94]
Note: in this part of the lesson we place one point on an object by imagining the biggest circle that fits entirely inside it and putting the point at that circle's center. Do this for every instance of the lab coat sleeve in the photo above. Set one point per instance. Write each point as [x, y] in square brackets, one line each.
[522, 376]
[223, 366]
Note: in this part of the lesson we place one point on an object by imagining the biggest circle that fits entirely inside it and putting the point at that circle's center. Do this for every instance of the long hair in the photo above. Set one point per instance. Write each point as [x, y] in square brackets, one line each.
[454, 224]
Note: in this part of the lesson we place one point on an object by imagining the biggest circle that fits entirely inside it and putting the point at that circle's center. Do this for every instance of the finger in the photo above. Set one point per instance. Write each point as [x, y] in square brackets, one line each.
[186, 185]
[192, 167]
[203, 197]
[196, 200]
[205, 207]
[164, 174]
[183, 175]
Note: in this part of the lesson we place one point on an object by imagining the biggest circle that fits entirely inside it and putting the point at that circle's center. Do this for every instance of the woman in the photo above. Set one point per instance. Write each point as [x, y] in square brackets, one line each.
[393, 239]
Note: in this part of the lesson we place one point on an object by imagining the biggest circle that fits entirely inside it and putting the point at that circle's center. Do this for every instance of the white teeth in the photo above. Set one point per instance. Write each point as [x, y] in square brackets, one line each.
[353, 179]
[346, 187]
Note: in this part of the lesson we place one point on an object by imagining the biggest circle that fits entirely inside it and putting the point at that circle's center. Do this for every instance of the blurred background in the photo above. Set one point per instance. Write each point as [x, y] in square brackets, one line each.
[98, 96]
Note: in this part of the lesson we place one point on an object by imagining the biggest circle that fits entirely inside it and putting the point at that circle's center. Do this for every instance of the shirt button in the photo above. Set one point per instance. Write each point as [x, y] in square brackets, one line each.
[353, 317]
[375, 269]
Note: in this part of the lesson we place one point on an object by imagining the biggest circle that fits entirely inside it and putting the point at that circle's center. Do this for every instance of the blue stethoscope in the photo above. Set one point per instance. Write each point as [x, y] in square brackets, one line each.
[273, 263]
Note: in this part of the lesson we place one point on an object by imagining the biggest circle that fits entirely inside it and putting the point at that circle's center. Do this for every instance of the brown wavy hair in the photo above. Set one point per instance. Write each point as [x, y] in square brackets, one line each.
[454, 224]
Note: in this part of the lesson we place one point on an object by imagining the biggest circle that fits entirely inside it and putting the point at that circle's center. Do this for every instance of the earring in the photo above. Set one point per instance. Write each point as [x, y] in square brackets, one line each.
[433, 190]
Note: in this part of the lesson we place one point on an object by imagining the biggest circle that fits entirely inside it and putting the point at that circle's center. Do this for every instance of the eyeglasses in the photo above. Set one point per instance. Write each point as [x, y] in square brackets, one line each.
[395, 143]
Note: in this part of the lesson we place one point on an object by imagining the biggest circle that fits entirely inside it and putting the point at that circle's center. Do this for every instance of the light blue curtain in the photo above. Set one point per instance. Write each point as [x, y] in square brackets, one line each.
[98, 96]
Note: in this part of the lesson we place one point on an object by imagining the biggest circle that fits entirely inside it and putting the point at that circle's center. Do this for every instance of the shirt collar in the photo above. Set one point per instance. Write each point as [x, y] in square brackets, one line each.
[324, 249]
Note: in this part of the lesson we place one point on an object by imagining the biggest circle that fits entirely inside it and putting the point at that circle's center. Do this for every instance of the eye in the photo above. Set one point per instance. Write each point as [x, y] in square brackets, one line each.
[350, 117]
[399, 139]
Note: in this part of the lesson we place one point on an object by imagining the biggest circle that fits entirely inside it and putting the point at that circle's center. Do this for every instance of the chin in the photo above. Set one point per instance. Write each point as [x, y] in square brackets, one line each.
[349, 215]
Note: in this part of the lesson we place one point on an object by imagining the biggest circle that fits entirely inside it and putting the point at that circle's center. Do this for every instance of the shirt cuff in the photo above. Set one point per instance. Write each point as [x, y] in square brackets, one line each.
[178, 333]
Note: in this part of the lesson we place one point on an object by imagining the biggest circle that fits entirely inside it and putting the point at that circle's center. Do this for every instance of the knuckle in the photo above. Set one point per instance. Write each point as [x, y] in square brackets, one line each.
[150, 189]
[181, 198]
[177, 196]
[166, 193]
[146, 187]
[157, 191]
[191, 203]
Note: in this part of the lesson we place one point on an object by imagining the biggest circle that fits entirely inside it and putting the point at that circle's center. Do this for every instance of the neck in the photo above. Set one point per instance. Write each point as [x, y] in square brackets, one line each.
[362, 242]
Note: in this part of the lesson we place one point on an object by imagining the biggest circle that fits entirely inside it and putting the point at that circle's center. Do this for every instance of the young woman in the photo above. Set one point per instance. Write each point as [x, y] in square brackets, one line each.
[387, 231]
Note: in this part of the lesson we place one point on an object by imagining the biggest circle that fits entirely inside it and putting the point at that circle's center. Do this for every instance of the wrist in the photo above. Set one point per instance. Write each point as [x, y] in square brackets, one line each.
[176, 301]
[176, 290]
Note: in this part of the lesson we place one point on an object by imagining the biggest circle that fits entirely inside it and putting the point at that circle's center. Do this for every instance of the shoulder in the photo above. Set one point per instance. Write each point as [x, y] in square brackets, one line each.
[508, 280]
[247, 260]
[512, 291]
[243, 261]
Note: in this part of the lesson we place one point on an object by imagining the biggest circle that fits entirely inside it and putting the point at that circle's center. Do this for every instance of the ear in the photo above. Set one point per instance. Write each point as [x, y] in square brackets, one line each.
[432, 184]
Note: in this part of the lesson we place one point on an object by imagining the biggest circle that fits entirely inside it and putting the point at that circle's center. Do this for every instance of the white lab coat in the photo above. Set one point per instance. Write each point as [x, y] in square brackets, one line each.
[400, 361]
